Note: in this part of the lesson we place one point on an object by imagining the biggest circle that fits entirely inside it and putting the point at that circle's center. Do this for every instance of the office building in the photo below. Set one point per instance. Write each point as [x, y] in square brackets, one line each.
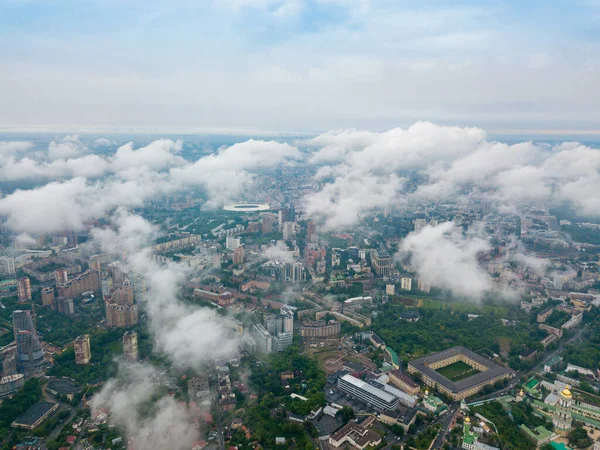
[263, 339]
[83, 353]
[381, 262]
[238, 256]
[231, 243]
[273, 323]
[404, 382]
[61, 276]
[406, 283]
[289, 231]
[367, 394]
[30, 354]
[48, 296]
[130, 346]
[24, 289]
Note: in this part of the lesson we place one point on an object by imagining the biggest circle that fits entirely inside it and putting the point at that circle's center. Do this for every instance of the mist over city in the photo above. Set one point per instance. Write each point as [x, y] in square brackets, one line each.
[292, 224]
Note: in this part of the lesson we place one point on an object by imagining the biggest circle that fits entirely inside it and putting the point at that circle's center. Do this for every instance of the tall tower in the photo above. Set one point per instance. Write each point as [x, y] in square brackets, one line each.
[30, 354]
[24, 289]
[130, 345]
[561, 419]
[83, 353]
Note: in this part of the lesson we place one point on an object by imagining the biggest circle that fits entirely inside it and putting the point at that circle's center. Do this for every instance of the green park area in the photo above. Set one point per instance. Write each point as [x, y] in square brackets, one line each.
[457, 371]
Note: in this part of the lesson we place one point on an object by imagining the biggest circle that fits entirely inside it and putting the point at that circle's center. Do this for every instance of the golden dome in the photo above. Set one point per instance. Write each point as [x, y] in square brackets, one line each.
[467, 419]
[566, 391]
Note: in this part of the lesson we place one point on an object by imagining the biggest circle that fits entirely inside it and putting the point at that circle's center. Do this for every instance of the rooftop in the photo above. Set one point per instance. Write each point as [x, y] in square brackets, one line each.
[360, 384]
[34, 413]
[493, 370]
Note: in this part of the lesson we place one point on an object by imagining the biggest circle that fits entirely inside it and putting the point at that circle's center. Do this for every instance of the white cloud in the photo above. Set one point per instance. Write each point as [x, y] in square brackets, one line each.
[446, 259]
[9, 147]
[65, 148]
[158, 155]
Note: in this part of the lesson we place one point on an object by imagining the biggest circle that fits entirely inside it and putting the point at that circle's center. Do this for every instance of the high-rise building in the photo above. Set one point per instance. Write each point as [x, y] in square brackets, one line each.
[120, 316]
[311, 231]
[289, 230]
[7, 266]
[266, 225]
[96, 265]
[419, 224]
[107, 285]
[83, 354]
[424, 286]
[139, 288]
[232, 243]
[61, 276]
[130, 346]
[406, 283]
[381, 262]
[288, 319]
[48, 296]
[264, 340]
[238, 256]
[282, 341]
[24, 289]
[562, 417]
[273, 323]
[30, 354]
[9, 365]
[88, 281]
[64, 305]
[390, 289]
[124, 294]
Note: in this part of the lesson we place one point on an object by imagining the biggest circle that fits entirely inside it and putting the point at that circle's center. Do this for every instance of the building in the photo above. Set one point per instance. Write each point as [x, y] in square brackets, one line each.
[96, 265]
[273, 323]
[287, 314]
[7, 266]
[355, 435]
[470, 441]
[562, 415]
[406, 284]
[381, 262]
[9, 384]
[376, 341]
[81, 345]
[390, 289]
[130, 346]
[35, 416]
[319, 329]
[543, 315]
[486, 372]
[404, 417]
[232, 243]
[120, 316]
[365, 393]
[266, 225]
[424, 286]
[289, 231]
[123, 295]
[404, 382]
[263, 339]
[419, 224]
[282, 341]
[238, 256]
[48, 296]
[30, 354]
[198, 387]
[64, 306]
[24, 289]
[88, 281]
[61, 276]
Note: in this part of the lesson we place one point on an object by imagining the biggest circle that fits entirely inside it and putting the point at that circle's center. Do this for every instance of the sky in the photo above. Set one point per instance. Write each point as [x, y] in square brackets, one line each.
[303, 66]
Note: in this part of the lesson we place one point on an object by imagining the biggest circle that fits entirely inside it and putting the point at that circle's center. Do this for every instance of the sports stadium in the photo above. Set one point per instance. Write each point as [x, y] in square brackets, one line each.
[247, 207]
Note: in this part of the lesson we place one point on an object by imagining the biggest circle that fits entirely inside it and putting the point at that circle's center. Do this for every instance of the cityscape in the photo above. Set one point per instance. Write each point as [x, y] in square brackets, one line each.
[299, 224]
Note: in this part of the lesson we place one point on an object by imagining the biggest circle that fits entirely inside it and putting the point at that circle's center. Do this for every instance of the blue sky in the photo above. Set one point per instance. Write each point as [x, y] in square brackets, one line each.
[298, 65]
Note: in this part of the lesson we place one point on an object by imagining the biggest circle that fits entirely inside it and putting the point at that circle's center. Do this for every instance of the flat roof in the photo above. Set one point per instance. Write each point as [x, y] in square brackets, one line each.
[360, 384]
[63, 386]
[493, 370]
[34, 413]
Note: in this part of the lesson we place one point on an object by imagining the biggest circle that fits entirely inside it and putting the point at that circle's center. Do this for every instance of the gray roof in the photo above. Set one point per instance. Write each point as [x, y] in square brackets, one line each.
[493, 370]
[34, 413]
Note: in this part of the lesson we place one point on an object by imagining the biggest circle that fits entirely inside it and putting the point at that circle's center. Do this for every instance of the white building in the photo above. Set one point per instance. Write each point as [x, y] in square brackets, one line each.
[232, 243]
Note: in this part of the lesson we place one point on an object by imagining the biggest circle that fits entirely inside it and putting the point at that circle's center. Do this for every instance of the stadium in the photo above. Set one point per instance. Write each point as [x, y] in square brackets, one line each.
[458, 372]
[247, 207]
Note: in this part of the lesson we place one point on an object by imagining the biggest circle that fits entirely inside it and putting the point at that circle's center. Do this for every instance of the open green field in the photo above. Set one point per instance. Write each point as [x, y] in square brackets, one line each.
[457, 371]
[463, 307]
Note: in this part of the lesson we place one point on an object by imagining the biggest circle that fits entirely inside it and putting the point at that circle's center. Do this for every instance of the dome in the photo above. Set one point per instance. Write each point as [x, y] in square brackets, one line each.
[467, 419]
[566, 392]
